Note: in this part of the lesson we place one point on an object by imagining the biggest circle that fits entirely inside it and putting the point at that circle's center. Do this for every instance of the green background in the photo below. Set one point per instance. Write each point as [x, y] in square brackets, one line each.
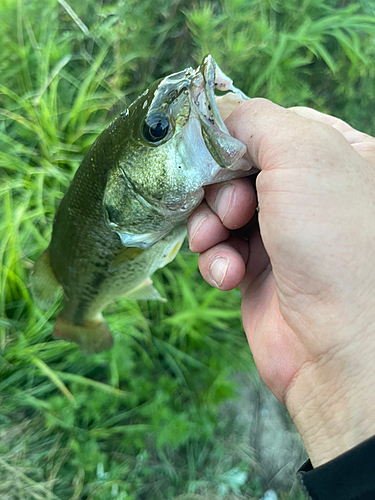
[140, 421]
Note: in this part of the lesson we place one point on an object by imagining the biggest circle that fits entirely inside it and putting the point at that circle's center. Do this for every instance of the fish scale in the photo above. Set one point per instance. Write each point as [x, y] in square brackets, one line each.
[124, 214]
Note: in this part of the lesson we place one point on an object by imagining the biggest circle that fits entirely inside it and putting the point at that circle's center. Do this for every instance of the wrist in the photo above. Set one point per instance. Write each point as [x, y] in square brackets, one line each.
[332, 407]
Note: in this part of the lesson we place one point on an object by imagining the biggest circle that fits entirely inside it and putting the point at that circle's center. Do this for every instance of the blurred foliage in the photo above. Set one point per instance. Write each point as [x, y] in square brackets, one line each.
[141, 420]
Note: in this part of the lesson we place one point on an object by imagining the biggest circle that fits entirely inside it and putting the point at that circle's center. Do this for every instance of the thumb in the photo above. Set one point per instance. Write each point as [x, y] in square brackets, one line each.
[363, 143]
[277, 138]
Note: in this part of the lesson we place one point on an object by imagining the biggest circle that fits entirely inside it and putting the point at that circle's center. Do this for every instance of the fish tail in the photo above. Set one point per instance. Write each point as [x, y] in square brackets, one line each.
[44, 285]
[92, 337]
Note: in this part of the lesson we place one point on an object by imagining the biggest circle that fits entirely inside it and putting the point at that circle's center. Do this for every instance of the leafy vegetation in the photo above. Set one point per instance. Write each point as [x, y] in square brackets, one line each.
[140, 421]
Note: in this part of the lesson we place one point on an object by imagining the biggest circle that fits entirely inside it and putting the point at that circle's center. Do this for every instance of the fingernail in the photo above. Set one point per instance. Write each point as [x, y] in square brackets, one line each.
[223, 200]
[218, 270]
[195, 224]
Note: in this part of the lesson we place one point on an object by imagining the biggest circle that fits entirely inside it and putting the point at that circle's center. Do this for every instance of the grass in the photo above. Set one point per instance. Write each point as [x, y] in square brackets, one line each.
[140, 421]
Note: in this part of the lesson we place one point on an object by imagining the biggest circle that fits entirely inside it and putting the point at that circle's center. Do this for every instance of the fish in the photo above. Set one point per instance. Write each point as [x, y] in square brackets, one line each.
[125, 212]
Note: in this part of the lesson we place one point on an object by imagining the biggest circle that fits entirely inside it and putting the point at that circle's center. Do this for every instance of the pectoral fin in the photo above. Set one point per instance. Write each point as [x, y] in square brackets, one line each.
[44, 286]
[145, 291]
[123, 257]
[92, 337]
[172, 254]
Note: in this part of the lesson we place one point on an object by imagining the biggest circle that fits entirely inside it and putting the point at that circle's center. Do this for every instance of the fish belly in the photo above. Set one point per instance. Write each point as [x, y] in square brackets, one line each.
[127, 275]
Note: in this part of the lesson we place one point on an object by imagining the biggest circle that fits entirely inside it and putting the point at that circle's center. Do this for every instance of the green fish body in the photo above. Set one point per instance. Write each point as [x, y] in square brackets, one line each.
[124, 214]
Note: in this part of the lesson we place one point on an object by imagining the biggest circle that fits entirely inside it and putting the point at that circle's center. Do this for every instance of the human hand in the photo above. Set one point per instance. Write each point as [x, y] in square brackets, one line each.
[306, 272]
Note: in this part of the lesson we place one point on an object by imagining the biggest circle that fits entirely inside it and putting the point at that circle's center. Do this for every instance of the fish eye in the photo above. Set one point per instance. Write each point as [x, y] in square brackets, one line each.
[156, 128]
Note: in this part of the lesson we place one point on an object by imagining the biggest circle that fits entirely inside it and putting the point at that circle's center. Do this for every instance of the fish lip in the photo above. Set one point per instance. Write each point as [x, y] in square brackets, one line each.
[205, 79]
[225, 150]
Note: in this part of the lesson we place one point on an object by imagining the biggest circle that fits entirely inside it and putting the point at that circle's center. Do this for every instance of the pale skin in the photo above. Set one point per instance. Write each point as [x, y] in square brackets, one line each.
[306, 273]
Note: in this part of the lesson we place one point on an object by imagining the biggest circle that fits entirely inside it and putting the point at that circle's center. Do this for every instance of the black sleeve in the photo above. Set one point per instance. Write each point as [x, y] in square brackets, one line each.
[351, 476]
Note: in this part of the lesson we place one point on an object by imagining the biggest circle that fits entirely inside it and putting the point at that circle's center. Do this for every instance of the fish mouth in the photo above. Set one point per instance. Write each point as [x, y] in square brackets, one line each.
[208, 78]
[224, 149]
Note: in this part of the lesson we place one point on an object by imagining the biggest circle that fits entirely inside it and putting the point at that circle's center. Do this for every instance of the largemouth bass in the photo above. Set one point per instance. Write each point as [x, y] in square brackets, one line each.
[124, 214]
